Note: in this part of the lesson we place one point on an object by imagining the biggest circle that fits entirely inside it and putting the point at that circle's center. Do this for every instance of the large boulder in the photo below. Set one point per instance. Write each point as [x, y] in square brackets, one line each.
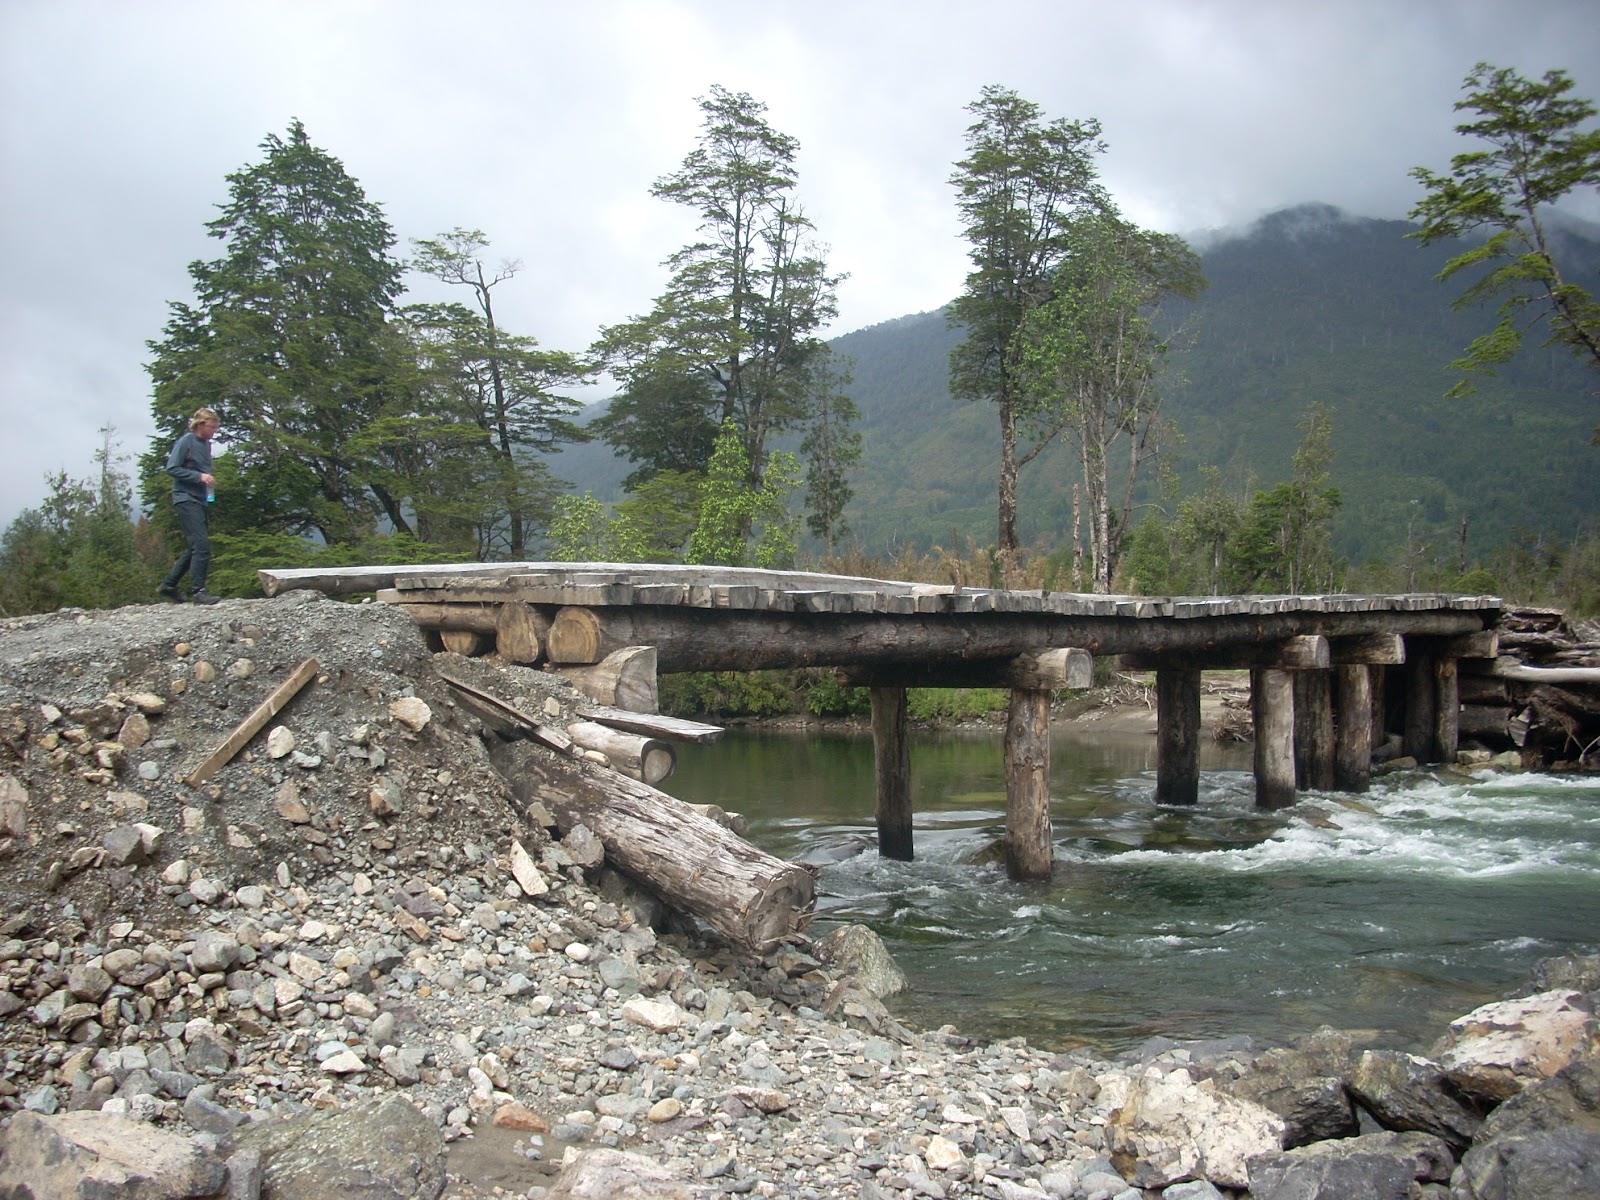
[383, 1151]
[1407, 1093]
[1495, 1051]
[1305, 1085]
[102, 1156]
[620, 1175]
[1167, 1129]
[1543, 1144]
[1374, 1166]
[858, 951]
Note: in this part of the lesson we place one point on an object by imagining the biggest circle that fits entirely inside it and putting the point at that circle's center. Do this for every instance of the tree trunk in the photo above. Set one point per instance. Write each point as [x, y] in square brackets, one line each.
[690, 861]
[1008, 477]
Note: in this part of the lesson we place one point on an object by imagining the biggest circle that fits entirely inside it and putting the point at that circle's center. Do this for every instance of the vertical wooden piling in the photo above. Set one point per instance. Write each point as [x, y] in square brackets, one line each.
[1420, 707]
[1177, 735]
[1352, 755]
[1446, 709]
[892, 762]
[1313, 730]
[1028, 847]
[1272, 705]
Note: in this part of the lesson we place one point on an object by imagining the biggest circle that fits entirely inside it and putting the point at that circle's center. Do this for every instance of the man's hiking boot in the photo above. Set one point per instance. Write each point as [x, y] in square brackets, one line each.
[171, 593]
[203, 597]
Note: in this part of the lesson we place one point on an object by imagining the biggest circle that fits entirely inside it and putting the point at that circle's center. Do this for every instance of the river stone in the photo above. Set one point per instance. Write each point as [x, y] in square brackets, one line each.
[93, 1154]
[861, 952]
[1541, 1144]
[1168, 1129]
[1374, 1166]
[657, 1015]
[383, 1151]
[1304, 1084]
[526, 872]
[604, 1174]
[1405, 1092]
[1497, 1050]
[214, 951]
[411, 712]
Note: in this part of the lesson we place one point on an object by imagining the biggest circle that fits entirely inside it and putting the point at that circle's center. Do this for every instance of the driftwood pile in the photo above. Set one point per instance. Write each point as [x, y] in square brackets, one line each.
[1541, 694]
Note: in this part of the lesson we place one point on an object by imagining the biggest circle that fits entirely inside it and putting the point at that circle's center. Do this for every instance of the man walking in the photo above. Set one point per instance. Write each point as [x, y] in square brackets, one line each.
[193, 487]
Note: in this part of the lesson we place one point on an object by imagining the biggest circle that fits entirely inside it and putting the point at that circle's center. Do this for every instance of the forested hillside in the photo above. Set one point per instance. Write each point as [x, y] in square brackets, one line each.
[1306, 306]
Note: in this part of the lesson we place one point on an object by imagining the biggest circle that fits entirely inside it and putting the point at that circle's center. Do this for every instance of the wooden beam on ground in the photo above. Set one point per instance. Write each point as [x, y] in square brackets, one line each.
[1368, 649]
[891, 757]
[1028, 845]
[1313, 730]
[507, 718]
[1302, 652]
[693, 863]
[251, 725]
[1272, 706]
[654, 724]
[625, 678]
[1042, 670]
[648, 760]
[1352, 752]
[1177, 735]
[479, 618]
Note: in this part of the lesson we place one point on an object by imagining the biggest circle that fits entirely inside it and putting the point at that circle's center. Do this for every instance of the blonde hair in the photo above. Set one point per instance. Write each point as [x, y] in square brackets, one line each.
[202, 415]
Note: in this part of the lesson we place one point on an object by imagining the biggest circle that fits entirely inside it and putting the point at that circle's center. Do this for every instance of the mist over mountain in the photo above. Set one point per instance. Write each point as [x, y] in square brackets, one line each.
[1306, 305]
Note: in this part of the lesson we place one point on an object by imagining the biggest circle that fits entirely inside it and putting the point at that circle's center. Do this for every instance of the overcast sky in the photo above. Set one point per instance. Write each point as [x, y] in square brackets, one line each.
[544, 124]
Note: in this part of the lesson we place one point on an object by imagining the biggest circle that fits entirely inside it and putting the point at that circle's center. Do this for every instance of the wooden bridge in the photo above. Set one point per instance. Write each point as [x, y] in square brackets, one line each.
[1330, 675]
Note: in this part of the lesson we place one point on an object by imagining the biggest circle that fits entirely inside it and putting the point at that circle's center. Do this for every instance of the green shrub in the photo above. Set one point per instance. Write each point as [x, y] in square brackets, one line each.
[827, 697]
[945, 705]
[727, 694]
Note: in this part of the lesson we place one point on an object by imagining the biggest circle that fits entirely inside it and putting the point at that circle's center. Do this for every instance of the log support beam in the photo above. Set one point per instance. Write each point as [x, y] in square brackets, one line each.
[1272, 706]
[1417, 735]
[1177, 735]
[1313, 730]
[1029, 852]
[1352, 753]
[891, 754]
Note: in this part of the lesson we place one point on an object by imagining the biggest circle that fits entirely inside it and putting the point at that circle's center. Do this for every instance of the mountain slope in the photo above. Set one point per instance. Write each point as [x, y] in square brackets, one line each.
[1306, 306]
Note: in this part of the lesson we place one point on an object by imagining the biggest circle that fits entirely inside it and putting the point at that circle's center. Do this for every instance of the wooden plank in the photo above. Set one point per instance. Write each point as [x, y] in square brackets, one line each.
[507, 717]
[653, 724]
[251, 725]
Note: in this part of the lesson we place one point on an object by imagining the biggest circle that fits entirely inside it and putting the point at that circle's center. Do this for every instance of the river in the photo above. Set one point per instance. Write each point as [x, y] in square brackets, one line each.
[1391, 913]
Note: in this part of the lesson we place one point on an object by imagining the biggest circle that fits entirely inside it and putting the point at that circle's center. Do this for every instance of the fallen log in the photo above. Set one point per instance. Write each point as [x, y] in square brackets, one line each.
[689, 860]
[625, 679]
[636, 757]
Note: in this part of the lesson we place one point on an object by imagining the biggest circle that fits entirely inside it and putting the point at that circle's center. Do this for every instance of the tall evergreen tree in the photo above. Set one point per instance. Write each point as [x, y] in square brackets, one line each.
[1023, 179]
[734, 338]
[287, 337]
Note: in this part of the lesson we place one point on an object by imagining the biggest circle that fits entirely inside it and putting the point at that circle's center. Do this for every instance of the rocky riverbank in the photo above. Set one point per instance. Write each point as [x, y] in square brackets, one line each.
[350, 964]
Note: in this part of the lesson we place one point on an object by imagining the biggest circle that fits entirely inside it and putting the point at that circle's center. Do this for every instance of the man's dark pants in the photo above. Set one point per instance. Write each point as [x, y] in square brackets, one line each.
[196, 560]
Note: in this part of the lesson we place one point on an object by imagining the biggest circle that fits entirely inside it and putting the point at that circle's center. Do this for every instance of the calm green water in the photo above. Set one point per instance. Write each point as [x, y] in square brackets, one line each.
[1435, 893]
